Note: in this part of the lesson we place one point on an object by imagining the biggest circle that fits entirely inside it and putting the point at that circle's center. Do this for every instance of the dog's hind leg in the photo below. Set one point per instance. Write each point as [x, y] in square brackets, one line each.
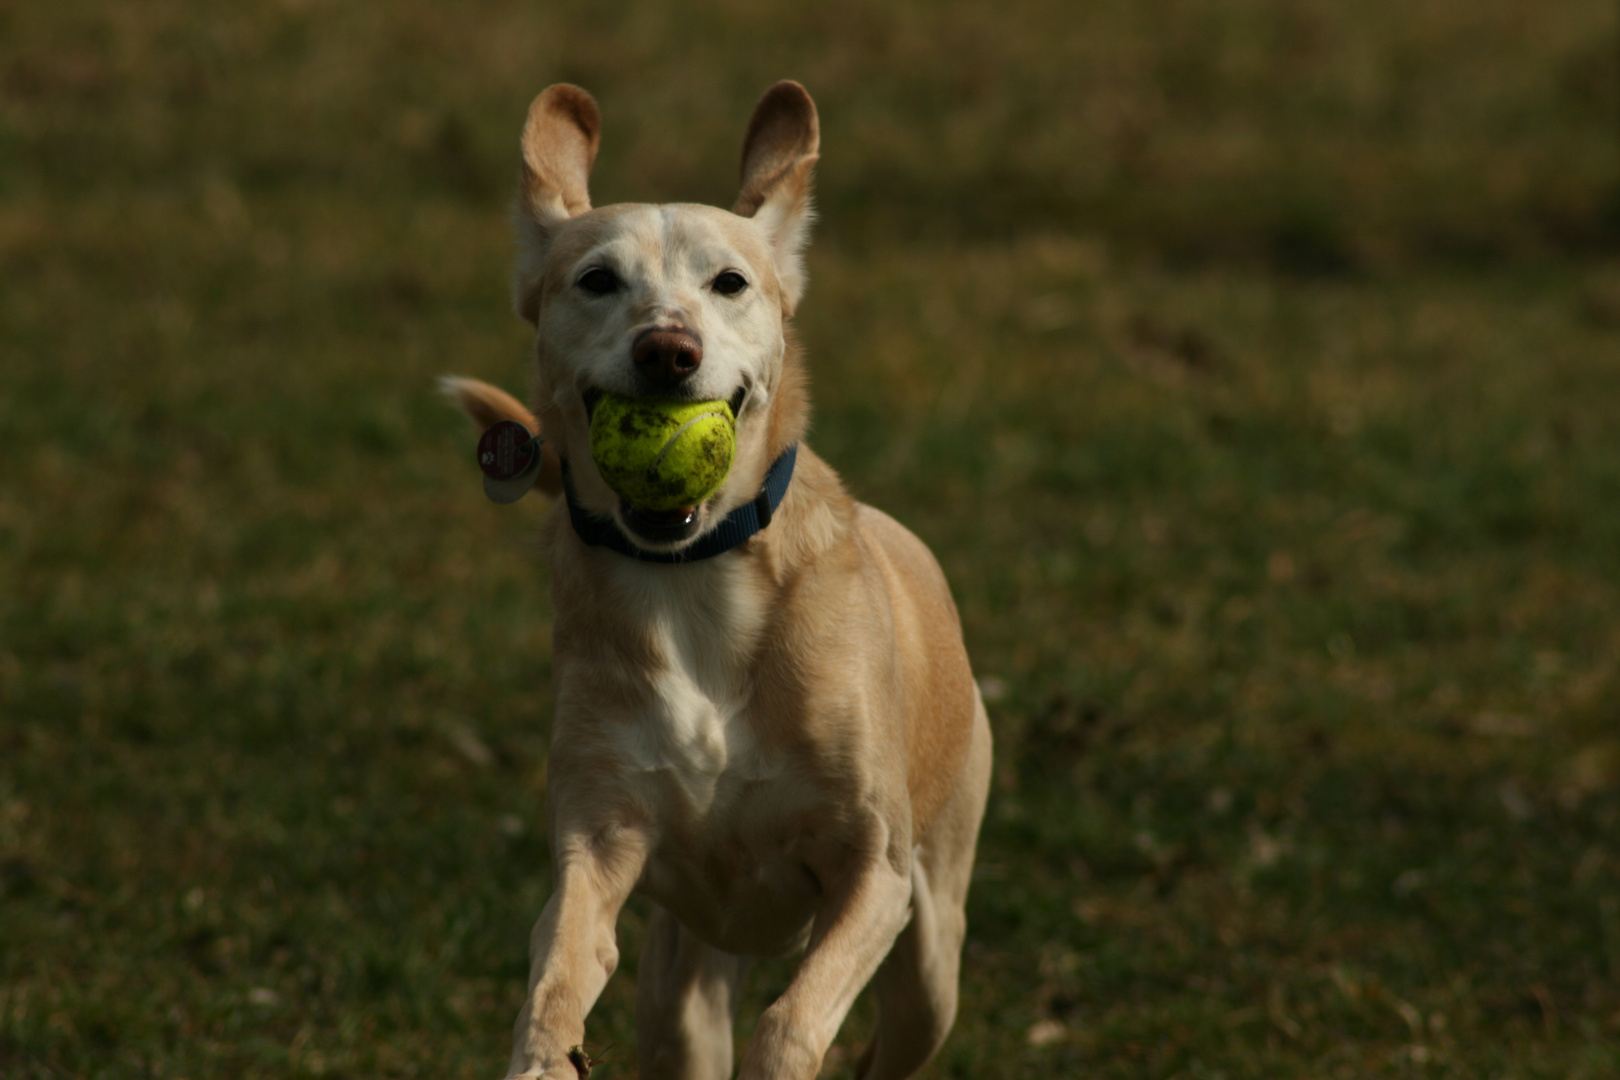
[916, 988]
[686, 997]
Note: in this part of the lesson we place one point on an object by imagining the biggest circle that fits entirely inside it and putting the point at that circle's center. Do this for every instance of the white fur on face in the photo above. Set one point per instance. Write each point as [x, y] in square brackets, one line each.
[666, 259]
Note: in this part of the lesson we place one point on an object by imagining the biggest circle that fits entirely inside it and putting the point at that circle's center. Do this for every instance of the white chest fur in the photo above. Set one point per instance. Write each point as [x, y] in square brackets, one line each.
[703, 623]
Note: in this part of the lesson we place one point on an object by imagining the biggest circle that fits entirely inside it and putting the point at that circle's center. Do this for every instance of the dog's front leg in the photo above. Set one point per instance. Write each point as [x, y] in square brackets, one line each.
[573, 949]
[859, 920]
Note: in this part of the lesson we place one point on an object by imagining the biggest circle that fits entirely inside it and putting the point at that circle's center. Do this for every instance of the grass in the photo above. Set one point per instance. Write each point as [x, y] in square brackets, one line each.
[1250, 367]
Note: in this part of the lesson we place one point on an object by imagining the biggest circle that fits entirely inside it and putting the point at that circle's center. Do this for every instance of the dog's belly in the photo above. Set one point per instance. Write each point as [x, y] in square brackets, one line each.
[739, 899]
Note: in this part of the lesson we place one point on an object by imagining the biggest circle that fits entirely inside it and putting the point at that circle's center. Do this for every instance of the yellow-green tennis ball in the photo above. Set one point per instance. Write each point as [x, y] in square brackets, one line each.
[663, 455]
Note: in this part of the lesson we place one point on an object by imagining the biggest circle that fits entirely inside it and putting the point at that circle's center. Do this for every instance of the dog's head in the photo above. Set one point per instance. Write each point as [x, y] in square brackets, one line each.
[668, 301]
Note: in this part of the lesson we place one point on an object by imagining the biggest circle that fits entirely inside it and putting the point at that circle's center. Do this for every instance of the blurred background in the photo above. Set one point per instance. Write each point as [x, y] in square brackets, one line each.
[1249, 364]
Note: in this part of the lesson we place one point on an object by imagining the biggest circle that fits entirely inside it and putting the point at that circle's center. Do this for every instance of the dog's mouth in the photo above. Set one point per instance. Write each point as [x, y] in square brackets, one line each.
[662, 528]
[592, 396]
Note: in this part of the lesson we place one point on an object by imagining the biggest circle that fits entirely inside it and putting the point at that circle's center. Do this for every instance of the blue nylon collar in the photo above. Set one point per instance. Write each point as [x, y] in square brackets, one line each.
[739, 525]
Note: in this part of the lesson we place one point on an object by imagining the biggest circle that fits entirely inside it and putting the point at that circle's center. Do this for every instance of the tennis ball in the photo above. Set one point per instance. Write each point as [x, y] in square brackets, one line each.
[663, 455]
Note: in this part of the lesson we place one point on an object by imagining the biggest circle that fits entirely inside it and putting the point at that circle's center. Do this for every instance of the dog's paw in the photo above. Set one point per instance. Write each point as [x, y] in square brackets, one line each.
[576, 1065]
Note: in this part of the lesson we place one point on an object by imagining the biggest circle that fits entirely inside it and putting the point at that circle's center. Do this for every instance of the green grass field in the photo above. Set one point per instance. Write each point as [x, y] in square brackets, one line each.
[1251, 367]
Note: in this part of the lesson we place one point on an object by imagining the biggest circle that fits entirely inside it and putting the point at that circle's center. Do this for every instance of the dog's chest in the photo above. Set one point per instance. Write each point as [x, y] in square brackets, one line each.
[729, 808]
[693, 740]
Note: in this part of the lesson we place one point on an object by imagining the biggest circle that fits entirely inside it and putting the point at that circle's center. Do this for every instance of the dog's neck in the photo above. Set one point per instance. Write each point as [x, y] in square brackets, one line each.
[814, 516]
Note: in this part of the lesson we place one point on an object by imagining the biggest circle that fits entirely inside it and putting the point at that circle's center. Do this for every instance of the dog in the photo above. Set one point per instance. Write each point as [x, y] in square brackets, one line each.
[765, 717]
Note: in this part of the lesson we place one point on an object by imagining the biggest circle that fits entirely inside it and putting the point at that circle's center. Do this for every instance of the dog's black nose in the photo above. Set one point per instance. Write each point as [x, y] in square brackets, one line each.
[667, 355]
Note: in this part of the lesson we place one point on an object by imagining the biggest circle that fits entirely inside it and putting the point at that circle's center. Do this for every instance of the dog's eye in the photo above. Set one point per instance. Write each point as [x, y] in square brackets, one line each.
[598, 281]
[730, 283]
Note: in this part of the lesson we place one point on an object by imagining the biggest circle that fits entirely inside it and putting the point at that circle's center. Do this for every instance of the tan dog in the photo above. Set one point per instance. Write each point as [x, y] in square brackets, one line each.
[781, 745]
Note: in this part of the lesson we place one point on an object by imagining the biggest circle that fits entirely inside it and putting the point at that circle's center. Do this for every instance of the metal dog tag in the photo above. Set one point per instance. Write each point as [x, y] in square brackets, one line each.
[509, 455]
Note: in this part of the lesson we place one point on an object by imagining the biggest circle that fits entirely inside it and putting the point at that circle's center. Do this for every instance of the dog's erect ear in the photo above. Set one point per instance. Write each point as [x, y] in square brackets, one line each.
[779, 155]
[559, 147]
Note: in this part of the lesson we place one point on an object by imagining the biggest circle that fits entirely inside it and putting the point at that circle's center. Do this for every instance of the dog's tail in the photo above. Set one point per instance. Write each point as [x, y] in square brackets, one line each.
[488, 405]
